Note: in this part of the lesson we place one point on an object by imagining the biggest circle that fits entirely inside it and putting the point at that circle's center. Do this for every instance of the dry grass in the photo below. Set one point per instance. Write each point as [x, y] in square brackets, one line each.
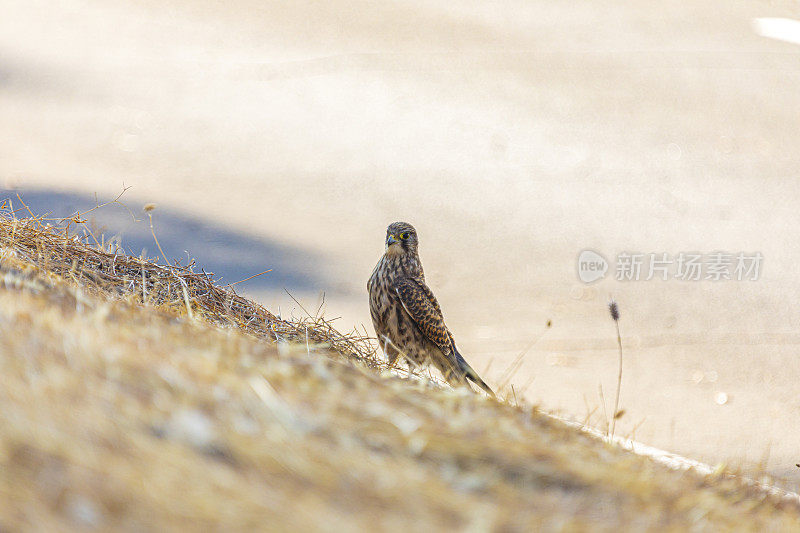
[118, 410]
[100, 269]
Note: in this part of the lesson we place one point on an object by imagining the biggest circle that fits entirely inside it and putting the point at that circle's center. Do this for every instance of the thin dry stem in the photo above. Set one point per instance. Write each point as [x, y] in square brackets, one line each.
[619, 382]
[153, 231]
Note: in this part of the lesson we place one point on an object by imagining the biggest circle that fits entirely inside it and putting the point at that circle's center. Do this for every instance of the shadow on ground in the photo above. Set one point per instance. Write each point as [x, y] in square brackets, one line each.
[232, 256]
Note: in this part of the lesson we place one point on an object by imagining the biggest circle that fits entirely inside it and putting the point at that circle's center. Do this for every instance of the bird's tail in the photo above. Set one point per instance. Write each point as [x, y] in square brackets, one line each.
[471, 375]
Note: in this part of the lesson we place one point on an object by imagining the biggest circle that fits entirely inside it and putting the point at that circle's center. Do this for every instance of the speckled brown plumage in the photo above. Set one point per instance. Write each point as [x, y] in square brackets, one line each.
[406, 315]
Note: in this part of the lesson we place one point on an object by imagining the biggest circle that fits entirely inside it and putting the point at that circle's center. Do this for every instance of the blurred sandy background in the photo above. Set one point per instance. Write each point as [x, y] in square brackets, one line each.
[287, 135]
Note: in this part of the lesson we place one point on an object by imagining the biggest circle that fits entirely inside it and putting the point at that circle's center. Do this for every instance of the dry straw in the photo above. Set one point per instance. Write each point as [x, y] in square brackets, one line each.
[67, 247]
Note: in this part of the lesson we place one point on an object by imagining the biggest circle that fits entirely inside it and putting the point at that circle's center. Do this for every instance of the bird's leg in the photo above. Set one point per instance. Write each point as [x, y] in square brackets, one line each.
[412, 365]
[386, 351]
[391, 352]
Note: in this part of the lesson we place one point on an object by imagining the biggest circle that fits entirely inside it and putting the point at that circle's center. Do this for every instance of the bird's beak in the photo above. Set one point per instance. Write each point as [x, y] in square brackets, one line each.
[390, 240]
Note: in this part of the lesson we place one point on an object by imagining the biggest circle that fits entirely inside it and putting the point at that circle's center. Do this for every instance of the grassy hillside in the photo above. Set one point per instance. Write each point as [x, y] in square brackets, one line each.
[141, 396]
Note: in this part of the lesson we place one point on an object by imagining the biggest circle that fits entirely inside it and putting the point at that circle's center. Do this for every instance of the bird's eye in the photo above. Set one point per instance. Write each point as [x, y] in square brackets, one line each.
[404, 235]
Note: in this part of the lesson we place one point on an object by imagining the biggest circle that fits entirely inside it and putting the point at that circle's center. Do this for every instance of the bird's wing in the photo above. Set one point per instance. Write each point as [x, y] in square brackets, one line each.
[418, 300]
[421, 304]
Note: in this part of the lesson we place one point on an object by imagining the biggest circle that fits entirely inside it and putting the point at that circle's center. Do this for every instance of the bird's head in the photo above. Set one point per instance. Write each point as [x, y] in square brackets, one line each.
[401, 238]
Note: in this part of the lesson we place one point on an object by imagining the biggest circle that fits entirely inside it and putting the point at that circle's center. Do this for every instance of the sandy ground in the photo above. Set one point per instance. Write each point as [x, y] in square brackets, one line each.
[512, 134]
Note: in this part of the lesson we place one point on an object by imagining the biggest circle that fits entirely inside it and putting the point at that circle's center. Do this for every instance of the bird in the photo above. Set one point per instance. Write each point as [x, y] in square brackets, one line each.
[406, 315]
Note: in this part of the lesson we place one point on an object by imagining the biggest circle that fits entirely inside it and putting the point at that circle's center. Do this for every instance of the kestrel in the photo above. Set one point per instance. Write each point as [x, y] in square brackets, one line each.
[406, 315]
